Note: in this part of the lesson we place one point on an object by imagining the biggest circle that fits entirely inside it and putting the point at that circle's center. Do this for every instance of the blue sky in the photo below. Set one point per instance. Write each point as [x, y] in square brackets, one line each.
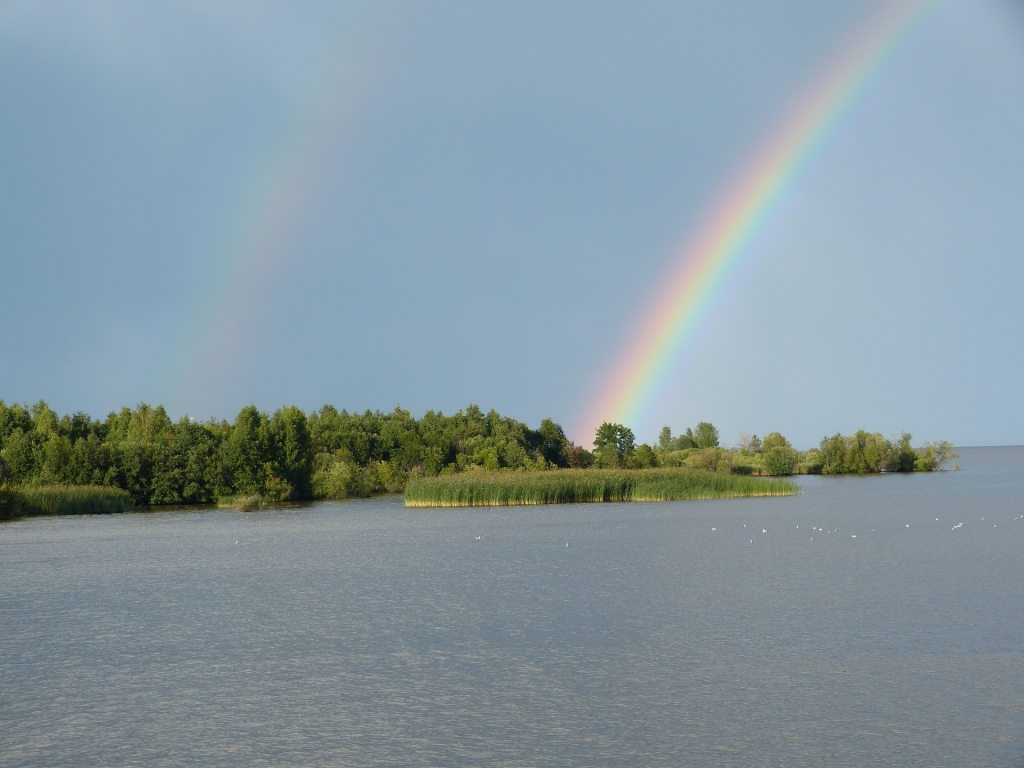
[435, 204]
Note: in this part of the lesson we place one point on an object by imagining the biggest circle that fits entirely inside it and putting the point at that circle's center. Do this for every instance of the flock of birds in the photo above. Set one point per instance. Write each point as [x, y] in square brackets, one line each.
[956, 525]
[820, 531]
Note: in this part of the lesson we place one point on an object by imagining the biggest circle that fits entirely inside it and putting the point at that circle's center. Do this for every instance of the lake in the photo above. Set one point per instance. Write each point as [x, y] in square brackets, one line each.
[870, 621]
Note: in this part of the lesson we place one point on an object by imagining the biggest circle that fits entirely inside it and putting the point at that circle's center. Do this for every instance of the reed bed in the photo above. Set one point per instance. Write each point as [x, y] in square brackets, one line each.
[250, 502]
[69, 500]
[568, 486]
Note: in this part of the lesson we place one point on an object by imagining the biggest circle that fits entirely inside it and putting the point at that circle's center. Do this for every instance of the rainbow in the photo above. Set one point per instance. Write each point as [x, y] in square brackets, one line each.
[266, 221]
[704, 268]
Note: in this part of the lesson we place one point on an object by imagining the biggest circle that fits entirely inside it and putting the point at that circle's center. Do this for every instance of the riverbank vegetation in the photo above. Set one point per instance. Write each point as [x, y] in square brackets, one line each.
[63, 500]
[561, 486]
[262, 459]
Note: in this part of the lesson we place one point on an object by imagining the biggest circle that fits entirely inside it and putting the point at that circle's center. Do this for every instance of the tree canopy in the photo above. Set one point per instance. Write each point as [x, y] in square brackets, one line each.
[613, 444]
[285, 455]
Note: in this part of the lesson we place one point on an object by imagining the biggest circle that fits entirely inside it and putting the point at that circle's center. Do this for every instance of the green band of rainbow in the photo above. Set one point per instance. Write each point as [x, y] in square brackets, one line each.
[705, 266]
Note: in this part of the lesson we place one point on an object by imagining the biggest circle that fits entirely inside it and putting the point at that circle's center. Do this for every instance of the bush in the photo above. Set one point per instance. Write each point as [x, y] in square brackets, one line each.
[780, 460]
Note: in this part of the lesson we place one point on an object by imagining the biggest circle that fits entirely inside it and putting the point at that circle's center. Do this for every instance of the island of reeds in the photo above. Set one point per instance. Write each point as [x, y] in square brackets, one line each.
[567, 486]
[262, 459]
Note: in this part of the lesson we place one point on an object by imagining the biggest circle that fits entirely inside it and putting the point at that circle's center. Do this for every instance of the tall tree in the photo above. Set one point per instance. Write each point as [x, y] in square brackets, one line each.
[246, 452]
[704, 435]
[612, 444]
[554, 445]
[779, 456]
[292, 450]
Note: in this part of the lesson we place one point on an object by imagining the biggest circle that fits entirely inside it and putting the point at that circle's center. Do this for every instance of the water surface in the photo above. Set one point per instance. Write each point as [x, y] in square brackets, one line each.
[869, 621]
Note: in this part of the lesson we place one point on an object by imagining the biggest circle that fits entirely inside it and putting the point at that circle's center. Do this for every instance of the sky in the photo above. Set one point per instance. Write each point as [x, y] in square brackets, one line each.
[428, 205]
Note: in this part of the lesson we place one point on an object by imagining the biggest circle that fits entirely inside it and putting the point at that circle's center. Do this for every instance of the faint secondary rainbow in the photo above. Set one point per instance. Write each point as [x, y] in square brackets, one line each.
[268, 218]
[704, 268]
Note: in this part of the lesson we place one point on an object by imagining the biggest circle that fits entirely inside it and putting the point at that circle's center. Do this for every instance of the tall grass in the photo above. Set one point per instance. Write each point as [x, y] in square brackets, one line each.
[245, 502]
[499, 489]
[68, 500]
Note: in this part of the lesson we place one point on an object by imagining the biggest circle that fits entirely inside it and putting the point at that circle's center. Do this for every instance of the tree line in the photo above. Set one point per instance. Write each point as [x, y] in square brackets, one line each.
[332, 454]
[698, 448]
[286, 455]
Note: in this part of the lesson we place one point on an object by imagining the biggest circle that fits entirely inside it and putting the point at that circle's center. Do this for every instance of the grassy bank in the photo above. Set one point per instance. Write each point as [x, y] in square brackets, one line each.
[63, 500]
[500, 489]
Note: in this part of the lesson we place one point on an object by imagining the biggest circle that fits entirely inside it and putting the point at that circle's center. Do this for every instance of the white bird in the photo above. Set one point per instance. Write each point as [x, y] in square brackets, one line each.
[476, 539]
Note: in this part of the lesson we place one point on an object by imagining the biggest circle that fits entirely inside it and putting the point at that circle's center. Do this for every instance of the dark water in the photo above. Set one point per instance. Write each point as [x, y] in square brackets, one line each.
[364, 634]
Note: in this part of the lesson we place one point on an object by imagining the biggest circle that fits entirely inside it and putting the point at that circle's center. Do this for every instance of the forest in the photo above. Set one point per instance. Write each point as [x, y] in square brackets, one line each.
[331, 454]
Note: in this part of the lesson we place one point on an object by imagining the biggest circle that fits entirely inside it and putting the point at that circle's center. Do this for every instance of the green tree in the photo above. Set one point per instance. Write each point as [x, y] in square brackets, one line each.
[580, 457]
[643, 457]
[778, 455]
[76, 426]
[707, 459]
[612, 444]
[13, 417]
[19, 455]
[199, 444]
[553, 444]
[665, 439]
[147, 424]
[332, 475]
[168, 474]
[292, 449]
[57, 466]
[246, 452]
[44, 420]
[400, 440]
[833, 455]
[704, 435]
[932, 456]
[903, 455]
[867, 452]
[134, 470]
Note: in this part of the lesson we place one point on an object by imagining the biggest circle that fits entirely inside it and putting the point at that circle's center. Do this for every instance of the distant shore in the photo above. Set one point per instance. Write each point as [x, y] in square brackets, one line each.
[263, 459]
